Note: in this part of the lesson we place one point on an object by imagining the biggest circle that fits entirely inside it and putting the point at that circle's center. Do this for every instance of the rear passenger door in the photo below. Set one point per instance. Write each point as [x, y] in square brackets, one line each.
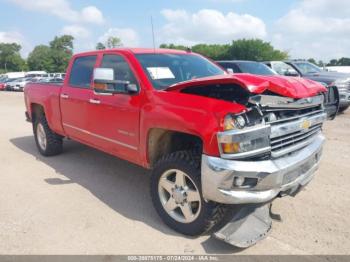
[75, 96]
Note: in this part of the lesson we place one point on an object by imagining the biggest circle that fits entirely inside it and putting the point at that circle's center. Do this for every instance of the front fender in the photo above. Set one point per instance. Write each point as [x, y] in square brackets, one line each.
[194, 115]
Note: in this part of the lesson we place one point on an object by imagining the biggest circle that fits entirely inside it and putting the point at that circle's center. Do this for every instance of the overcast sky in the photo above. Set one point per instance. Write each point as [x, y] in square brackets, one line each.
[305, 28]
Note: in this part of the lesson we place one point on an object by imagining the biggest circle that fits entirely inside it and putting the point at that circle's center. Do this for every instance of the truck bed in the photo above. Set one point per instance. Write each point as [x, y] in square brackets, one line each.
[48, 95]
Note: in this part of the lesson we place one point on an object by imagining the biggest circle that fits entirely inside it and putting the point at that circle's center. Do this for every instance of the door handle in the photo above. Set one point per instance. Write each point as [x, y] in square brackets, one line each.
[64, 96]
[94, 101]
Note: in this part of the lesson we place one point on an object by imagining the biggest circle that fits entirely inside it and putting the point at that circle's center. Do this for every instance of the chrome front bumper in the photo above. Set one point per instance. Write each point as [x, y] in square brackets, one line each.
[281, 176]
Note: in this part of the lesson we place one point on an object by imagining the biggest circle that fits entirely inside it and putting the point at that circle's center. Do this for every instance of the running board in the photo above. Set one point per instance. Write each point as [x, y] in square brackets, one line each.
[248, 226]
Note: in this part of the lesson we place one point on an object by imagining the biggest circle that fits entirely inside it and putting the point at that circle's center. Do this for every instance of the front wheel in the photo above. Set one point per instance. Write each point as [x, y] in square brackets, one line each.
[177, 195]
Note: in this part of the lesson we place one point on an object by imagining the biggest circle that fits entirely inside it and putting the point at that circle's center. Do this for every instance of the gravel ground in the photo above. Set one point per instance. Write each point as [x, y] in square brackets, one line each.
[87, 202]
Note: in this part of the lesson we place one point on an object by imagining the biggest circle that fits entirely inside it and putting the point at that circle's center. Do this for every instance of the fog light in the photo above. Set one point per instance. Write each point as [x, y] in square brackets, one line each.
[238, 181]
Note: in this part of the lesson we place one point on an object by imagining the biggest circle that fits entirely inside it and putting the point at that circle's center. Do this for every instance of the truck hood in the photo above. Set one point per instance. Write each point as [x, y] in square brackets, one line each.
[285, 86]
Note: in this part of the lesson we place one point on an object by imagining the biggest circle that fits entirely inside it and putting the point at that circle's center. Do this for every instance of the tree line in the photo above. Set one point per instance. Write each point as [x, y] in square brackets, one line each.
[243, 49]
[51, 58]
[55, 56]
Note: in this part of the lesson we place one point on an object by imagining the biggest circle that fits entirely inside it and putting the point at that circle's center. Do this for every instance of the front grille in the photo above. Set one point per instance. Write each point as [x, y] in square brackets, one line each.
[284, 142]
[294, 129]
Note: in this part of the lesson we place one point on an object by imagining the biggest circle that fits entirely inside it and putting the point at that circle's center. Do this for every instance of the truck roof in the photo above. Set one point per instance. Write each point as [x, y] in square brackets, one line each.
[137, 51]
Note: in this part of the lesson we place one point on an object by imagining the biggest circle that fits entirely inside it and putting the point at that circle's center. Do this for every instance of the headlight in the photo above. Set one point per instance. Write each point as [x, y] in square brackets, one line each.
[245, 146]
[232, 122]
[243, 136]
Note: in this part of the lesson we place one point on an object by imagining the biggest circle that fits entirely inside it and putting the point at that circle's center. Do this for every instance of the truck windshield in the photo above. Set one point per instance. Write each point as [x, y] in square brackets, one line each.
[165, 70]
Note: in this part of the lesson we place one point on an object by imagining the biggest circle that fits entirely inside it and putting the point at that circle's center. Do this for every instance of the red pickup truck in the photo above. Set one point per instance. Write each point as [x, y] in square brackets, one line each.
[222, 147]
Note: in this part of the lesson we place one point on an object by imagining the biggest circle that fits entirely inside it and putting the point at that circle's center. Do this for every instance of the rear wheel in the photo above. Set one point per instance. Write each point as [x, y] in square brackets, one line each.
[177, 196]
[48, 142]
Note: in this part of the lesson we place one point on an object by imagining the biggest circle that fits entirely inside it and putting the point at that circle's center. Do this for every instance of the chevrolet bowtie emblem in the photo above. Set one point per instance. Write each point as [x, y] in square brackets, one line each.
[306, 124]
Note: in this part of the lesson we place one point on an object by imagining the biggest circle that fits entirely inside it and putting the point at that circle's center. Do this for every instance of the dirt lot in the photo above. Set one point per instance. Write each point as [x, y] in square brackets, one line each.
[87, 202]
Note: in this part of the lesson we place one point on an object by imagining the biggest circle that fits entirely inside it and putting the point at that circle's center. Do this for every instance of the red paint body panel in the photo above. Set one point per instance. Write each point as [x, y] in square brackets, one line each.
[120, 124]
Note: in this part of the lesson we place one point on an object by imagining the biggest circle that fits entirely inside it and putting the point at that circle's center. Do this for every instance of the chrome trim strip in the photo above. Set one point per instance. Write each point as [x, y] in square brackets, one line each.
[101, 137]
[295, 126]
[278, 153]
[297, 135]
[295, 117]
[280, 103]
[102, 94]
[256, 152]
[240, 135]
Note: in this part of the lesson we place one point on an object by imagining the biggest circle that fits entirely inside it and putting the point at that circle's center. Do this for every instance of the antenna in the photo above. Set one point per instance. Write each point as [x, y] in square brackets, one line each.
[153, 37]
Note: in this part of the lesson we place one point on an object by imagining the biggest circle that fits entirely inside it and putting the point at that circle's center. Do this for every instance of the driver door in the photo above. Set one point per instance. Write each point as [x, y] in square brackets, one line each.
[114, 118]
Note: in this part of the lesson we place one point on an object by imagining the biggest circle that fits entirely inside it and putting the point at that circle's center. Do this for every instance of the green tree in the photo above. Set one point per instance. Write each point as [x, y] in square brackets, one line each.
[41, 59]
[344, 61]
[172, 46]
[64, 42]
[333, 62]
[215, 52]
[113, 42]
[100, 46]
[61, 49]
[52, 58]
[243, 49]
[10, 58]
[256, 50]
[312, 60]
[320, 63]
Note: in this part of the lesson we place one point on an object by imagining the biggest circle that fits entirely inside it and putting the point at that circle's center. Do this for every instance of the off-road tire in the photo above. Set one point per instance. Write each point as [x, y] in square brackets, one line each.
[211, 213]
[54, 142]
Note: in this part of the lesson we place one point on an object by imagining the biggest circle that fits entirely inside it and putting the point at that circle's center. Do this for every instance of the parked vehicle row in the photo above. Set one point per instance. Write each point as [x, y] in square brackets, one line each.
[310, 71]
[221, 147]
[336, 97]
[18, 84]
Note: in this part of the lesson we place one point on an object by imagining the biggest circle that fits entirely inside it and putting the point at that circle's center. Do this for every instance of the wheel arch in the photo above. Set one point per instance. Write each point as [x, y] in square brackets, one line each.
[161, 142]
[36, 110]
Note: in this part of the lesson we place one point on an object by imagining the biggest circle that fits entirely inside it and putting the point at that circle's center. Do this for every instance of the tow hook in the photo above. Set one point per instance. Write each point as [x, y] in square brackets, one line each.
[249, 225]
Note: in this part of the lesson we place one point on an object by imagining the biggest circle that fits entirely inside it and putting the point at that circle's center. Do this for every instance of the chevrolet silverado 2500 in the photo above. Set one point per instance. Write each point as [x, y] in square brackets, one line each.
[222, 147]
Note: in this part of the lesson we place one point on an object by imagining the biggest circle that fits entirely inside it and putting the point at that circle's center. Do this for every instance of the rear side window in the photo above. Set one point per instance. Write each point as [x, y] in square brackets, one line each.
[82, 70]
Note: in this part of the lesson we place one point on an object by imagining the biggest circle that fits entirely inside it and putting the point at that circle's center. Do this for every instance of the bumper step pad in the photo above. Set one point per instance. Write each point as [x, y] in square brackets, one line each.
[248, 226]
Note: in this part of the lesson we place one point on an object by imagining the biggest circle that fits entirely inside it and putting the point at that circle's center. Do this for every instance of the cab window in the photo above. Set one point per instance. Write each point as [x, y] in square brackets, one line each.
[122, 71]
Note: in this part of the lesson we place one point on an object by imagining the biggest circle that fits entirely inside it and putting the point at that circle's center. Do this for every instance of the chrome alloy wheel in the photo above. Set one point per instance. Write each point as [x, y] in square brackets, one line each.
[179, 196]
[41, 136]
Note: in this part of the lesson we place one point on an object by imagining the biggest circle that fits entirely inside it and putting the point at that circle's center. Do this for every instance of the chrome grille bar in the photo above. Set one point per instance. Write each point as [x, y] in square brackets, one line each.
[295, 139]
[294, 135]
[297, 125]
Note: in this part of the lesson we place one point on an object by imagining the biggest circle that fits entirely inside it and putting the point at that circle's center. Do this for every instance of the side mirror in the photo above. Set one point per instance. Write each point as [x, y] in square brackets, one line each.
[103, 76]
[104, 83]
[230, 71]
